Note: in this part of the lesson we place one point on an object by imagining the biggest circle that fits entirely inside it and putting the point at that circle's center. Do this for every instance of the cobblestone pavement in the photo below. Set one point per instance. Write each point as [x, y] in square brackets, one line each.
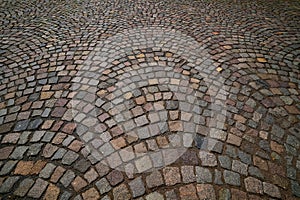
[135, 99]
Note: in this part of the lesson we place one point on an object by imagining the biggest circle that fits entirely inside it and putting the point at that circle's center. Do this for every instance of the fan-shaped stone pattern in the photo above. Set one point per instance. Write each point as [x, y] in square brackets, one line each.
[149, 101]
[253, 45]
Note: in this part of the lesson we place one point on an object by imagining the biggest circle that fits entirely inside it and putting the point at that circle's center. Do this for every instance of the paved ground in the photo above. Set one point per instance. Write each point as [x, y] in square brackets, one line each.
[150, 99]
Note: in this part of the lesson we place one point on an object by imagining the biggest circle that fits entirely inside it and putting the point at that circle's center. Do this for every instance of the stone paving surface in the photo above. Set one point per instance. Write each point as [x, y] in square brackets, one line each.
[150, 99]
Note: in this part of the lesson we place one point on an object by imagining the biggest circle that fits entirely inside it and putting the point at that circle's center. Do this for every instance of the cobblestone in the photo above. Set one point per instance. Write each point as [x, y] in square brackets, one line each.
[103, 186]
[69, 158]
[224, 194]
[206, 191]
[231, 178]
[171, 175]
[154, 196]
[8, 184]
[149, 100]
[5, 152]
[188, 192]
[154, 179]
[67, 178]
[24, 187]
[91, 194]
[225, 162]
[188, 174]
[91, 175]
[253, 185]
[8, 167]
[239, 167]
[121, 192]
[19, 152]
[203, 175]
[115, 177]
[78, 183]
[208, 159]
[52, 192]
[38, 188]
[137, 187]
[47, 170]
[271, 190]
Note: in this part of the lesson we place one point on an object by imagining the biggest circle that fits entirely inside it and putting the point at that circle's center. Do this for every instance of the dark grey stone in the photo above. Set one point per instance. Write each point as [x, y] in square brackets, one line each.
[69, 157]
[231, 151]
[277, 131]
[34, 149]
[293, 141]
[225, 162]
[48, 136]
[245, 157]
[47, 171]
[291, 172]
[254, 171]
[103, 186]
[24, 137]
[65, 195]
[265, 145]
[199, 141]
[21, 125]
[218, 177]
[290, 150]
[67, 178]
[172, 105]
[137, 187]
[82, 165]
[59, 154]
[295, 188]
[34, 97]
[8, 184]
[232, 178]
[42, 81]
[19, 152]
[35, 124]
[252, 124]
[38, 188]
[46, 112]
[7, 167]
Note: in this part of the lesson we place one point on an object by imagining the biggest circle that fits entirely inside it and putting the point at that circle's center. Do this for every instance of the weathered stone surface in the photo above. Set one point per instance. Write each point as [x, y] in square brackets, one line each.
[154, 179]
[103, 186]
[137, 187]
[151, 100]
[24, 187]
[207, 159]
[115, 177]
[231, 178]
[91, 194]
[206, 191]
[253, 185]
[203, 175]
[121, 192]
[271, 190]
[8, 184]
[188, 192]
[38, 188]
[78, 183]
[52, 192]
[171, 175]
